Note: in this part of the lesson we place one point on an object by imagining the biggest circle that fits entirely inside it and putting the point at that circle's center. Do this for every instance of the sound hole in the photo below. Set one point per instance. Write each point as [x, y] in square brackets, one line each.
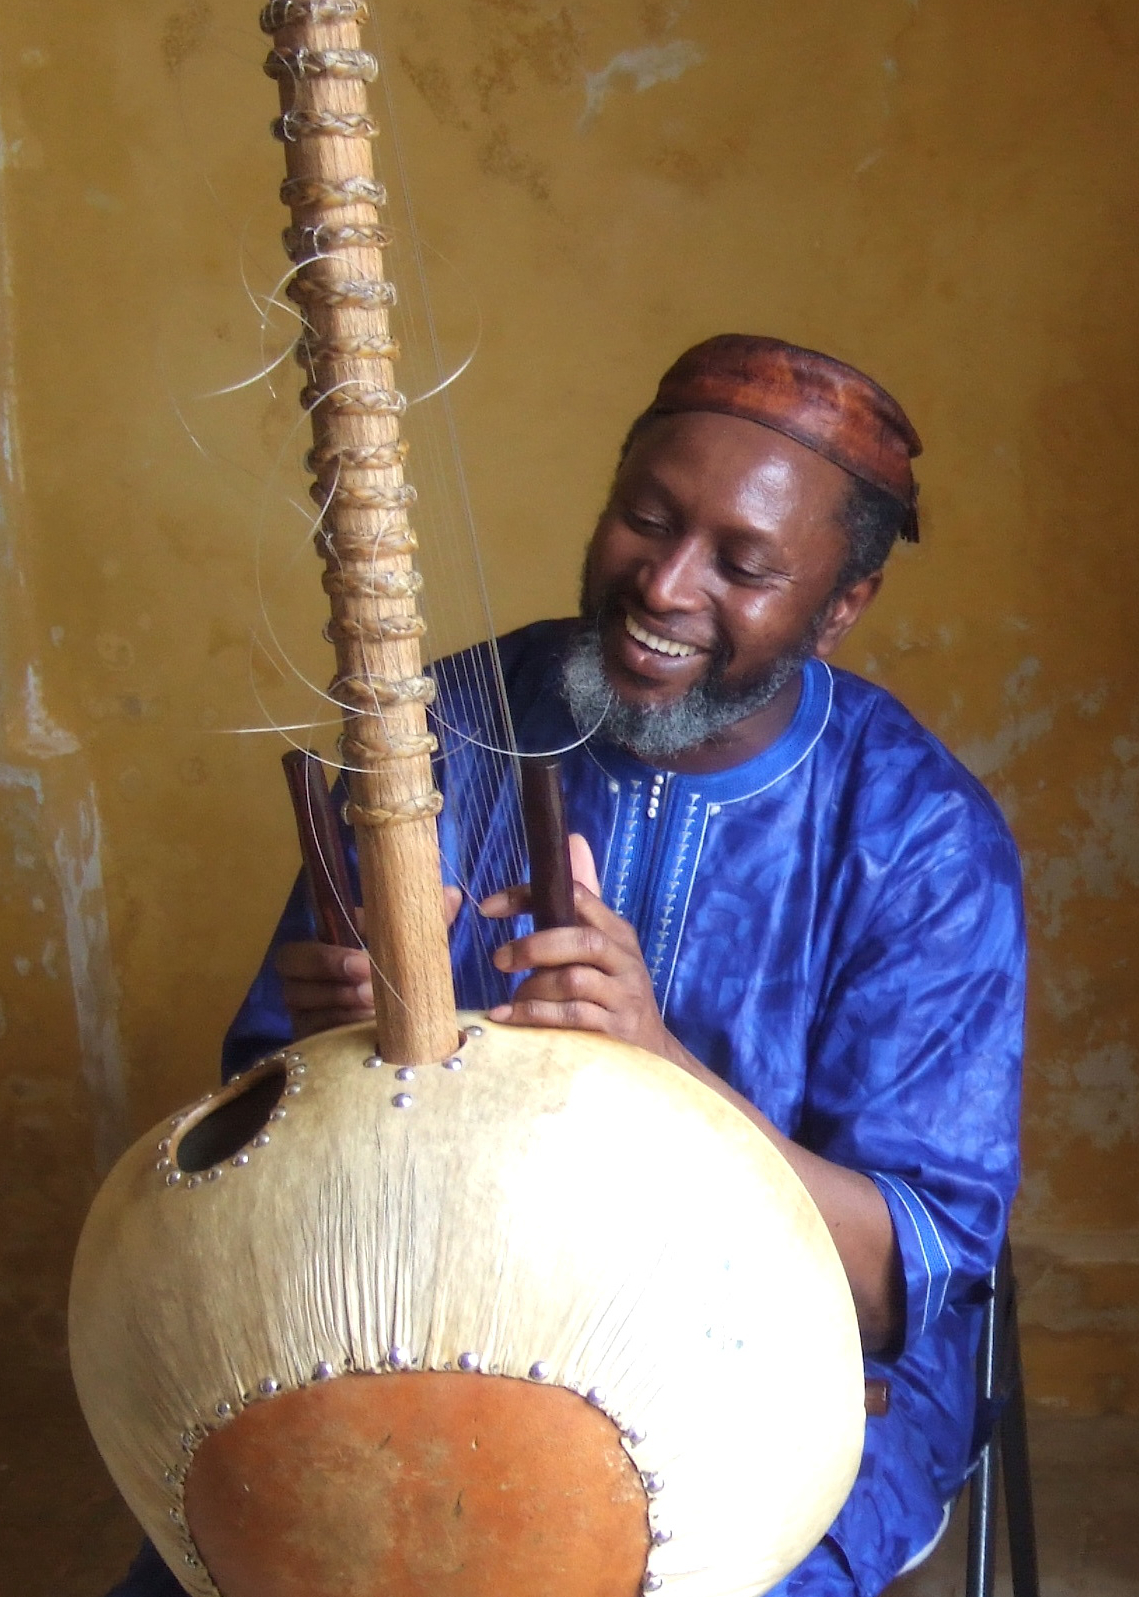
[220, 1134]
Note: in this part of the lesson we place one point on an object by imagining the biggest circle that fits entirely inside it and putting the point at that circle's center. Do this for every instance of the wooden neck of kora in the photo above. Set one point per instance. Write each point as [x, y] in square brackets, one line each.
[336, 240]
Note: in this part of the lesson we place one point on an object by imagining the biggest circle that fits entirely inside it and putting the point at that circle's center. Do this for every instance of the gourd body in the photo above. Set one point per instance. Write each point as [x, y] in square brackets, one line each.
[548, 1318]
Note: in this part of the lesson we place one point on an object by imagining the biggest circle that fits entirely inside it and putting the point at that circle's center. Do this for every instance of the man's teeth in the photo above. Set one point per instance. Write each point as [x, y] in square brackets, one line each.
[658, 645]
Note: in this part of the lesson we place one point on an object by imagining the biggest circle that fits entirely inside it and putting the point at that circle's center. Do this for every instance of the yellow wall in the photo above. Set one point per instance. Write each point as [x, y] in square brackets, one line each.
[938, 190]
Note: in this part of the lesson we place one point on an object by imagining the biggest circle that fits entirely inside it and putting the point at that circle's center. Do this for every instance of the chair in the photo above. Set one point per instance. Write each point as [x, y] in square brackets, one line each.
[1000, 1400]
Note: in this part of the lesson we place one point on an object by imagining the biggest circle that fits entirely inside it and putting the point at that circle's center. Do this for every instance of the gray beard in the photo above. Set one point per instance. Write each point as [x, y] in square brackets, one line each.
[651, 732]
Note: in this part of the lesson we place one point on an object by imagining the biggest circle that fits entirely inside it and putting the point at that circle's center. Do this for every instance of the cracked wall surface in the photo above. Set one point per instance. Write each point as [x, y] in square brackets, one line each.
[940, 193]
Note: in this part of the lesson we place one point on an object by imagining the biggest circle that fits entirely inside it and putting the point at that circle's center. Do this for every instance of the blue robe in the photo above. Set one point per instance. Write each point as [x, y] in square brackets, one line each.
[835, 928]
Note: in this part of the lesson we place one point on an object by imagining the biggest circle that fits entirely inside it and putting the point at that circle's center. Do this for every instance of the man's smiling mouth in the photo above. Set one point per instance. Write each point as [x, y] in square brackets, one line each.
[658, 645]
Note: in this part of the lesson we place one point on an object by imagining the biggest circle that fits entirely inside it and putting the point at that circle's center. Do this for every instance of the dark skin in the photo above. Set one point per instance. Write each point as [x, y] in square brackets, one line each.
[723, 540]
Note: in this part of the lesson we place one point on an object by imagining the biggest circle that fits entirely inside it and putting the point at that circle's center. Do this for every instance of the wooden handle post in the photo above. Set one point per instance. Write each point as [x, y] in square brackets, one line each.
[547, 841]
[346, 349]
[322, 853]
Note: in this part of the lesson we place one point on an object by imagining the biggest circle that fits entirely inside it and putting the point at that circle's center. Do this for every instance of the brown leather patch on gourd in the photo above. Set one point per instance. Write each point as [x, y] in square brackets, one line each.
[431, 1484]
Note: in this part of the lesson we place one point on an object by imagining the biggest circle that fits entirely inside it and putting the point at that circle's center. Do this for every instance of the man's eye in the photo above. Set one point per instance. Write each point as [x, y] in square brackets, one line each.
[651, 526]
[753, 574]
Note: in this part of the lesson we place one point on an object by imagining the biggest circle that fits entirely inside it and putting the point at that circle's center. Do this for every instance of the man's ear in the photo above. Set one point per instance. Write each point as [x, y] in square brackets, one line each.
[845, 609]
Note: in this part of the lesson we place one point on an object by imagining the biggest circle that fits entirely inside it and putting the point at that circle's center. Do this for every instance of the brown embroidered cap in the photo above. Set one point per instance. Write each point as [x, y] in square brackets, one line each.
[820, 402]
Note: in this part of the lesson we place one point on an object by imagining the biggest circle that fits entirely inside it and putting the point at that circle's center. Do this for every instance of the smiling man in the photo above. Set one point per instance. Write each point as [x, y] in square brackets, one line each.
[788, 887]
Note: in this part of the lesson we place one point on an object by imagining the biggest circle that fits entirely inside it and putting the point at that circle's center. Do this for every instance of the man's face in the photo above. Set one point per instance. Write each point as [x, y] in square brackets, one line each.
[714, 563]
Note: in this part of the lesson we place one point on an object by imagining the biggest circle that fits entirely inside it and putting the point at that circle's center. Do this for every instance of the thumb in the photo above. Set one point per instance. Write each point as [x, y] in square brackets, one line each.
[581, 864]
[452, 903]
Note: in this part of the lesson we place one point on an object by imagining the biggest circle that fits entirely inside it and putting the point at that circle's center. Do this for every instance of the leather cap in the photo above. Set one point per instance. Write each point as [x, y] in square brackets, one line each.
[820, 402]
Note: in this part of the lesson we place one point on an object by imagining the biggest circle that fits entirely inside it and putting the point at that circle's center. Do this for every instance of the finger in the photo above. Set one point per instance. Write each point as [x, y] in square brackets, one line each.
[576, 1015]
[582, 866]
[509, 901]
[322, 962]
[562, 946]
[516, 900]
[311, 996]
[593, 912]
[452, 904]
[575, 984]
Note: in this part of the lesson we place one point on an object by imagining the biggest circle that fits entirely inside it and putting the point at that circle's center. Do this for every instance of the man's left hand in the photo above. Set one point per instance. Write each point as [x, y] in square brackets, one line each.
[593, 977]
[588, 977]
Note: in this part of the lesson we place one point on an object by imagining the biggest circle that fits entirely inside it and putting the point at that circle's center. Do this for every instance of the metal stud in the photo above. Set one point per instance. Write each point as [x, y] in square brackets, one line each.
[170, 1478]
[634, 1435]
[165, 1164]
[399, 1358]
[475, 1031]
[268, 1387]
[297, 1070]
[194, 1181]
[277, 1058]
[661, 1536]
[323, 1371]
[188, 1441]
[652, 1583]
[223, 1409]
[539, 1370]
[294, 1059]
[653, 1483]
[595, 1396]
[164, 1145]
[292, 1089]
[402, 1100]
[454, 1063]
[405, 1073]
[173, 1178]
[469, 1361]
[261, 1140]
[214, 1174]
[277, 1114]
[373, 1062]
[240, 1159]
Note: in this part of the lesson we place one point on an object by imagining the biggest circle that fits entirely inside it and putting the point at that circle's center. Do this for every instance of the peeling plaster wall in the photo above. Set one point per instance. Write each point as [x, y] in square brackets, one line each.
[941, 192]
[62, 1090]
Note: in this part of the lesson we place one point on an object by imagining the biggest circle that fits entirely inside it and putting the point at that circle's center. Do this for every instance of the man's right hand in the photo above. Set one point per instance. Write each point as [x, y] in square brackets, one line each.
[324, 986]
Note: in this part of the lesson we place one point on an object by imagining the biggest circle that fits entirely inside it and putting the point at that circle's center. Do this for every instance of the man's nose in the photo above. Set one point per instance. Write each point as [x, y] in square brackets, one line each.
[674, 578]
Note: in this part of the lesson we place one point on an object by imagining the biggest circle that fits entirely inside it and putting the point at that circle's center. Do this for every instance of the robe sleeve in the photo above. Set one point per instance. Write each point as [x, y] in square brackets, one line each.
[148, 1576]
[262, 1023]
[914, 1065]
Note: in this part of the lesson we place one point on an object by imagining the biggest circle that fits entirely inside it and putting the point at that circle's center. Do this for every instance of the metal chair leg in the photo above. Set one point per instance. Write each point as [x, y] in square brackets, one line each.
[999, 1380]
[980, 1557]
[1013, 1436]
